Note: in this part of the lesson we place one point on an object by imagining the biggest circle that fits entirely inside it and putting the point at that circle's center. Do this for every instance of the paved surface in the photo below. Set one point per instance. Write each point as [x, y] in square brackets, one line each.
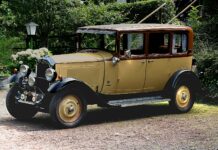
[144, 127]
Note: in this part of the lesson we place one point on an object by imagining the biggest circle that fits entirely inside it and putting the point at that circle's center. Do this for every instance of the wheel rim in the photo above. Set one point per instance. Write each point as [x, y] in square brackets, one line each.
[183, 96]
[70, 109]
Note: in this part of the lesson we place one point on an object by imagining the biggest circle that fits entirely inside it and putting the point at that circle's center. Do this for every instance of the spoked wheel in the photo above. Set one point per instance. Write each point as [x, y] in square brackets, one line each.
[183, 98]
[67, 109]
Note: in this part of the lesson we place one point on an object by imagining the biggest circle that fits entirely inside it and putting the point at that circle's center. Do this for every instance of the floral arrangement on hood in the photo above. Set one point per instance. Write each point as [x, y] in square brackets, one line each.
[29, 57]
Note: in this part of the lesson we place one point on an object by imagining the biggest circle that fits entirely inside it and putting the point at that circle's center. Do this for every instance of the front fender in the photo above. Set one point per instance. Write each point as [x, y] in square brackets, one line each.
[58, 85]
[90, 96]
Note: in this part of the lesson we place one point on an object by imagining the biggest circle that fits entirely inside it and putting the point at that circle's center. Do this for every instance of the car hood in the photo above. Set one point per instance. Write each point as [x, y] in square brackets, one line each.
[90, 56]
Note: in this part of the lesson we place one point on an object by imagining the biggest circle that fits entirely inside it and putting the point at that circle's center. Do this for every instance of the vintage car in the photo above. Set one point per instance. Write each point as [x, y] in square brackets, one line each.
[115, 65]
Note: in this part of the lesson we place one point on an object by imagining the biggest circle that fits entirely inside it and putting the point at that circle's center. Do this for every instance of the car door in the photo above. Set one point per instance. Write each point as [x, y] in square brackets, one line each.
[131, 68]
[128, 74]
[158, 61]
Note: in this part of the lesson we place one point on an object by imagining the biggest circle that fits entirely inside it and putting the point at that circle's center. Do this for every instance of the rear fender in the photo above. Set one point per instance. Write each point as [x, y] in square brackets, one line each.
[182, 75]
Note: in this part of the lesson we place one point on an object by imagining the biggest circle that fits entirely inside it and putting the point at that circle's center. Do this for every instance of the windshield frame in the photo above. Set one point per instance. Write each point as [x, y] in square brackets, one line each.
[80, 32]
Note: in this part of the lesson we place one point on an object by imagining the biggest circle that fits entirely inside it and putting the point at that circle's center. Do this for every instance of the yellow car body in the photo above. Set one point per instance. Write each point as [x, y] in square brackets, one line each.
[114, 65]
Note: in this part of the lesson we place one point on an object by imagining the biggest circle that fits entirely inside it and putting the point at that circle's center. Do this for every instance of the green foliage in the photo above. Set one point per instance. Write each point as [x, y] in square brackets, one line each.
[7, 19]
[6, 50]
[205, 26]
[210, 8]
[138, 10]
[50, 15]
[206, 45]
[194, 18]
[92, 15]
[98, 2]
[56, 17]
[207, 62]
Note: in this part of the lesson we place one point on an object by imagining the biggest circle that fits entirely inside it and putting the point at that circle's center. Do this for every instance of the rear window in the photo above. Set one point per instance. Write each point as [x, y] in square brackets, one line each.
[159, 43]
[180, 43]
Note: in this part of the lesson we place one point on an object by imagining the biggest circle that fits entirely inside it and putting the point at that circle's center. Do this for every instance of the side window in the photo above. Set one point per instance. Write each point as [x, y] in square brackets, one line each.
[109, 42]
[179, 43]
[159, 43]
[133, 42]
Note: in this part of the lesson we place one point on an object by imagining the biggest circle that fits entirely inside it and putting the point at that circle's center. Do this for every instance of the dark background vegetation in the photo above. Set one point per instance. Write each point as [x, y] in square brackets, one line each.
[61, 18]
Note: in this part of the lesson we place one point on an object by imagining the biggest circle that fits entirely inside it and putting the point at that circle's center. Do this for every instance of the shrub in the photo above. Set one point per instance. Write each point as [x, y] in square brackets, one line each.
[29, 57]
[207, 62]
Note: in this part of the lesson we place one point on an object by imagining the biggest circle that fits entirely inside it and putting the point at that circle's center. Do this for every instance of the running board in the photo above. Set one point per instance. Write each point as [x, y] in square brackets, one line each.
[137, 101]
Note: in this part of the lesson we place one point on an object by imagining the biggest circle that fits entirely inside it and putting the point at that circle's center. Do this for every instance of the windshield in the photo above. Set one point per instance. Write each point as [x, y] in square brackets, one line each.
[98, 41]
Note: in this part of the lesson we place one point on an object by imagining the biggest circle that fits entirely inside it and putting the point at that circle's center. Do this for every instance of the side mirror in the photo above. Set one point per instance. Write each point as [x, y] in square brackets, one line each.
[115, 60]
[127, 53]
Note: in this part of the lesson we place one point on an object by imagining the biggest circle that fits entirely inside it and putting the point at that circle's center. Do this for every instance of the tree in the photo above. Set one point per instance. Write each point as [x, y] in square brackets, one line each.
[50, 15]
[7, 19]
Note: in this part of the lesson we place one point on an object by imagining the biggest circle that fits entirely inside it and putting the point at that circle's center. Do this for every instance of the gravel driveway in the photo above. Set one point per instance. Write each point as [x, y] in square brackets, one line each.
[144, 127]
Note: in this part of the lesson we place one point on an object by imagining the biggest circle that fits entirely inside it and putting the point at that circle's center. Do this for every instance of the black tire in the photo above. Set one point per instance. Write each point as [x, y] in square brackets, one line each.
[183, 97]
[68, 108]
[18, 110]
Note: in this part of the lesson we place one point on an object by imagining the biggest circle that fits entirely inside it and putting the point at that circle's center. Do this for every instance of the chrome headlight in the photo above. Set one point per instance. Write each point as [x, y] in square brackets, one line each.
[24, 69]
[50, 74]
[31, 81]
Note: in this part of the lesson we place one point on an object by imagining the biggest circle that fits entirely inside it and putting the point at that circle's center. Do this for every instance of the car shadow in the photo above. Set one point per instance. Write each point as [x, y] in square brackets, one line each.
[115, 114]
[94, 116]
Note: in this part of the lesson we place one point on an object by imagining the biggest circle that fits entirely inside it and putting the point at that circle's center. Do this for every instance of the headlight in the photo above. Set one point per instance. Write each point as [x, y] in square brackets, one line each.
[24, 69]
[31, 81]
[50, 74]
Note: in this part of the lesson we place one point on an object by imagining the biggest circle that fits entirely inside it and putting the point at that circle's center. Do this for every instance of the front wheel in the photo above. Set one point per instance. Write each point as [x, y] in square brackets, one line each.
[183, 98]
[16, 109]
[67, 108]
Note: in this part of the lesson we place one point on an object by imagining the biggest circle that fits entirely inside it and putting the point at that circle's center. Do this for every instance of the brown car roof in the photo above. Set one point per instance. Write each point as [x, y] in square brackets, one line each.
[135, 27]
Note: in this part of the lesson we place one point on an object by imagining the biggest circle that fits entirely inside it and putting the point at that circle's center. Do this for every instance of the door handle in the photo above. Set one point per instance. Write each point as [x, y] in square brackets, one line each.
[149, 61]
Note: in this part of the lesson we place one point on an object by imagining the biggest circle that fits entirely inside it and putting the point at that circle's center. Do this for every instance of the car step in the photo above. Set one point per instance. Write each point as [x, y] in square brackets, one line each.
[137, 101]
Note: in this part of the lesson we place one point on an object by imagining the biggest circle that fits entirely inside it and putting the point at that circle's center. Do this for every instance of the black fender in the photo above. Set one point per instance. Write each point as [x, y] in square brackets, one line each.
[60, 84]
[15, 78]
[90, 96]
[184, 75]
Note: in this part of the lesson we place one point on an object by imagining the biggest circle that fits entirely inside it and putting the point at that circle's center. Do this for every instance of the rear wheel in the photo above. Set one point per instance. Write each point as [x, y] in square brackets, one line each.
[67, 108]
[18, 110]
[183, 98]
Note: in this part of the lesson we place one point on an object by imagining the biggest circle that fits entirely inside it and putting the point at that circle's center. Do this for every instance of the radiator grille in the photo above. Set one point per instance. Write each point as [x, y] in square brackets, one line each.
[42, 65]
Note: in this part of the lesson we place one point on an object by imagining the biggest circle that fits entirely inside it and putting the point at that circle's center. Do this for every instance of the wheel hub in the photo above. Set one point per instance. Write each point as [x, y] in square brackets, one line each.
[69, 109]
[183, 96]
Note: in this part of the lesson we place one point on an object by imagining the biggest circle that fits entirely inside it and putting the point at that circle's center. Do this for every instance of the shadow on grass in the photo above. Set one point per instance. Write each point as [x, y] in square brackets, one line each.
[208, 101]
[94, 116]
